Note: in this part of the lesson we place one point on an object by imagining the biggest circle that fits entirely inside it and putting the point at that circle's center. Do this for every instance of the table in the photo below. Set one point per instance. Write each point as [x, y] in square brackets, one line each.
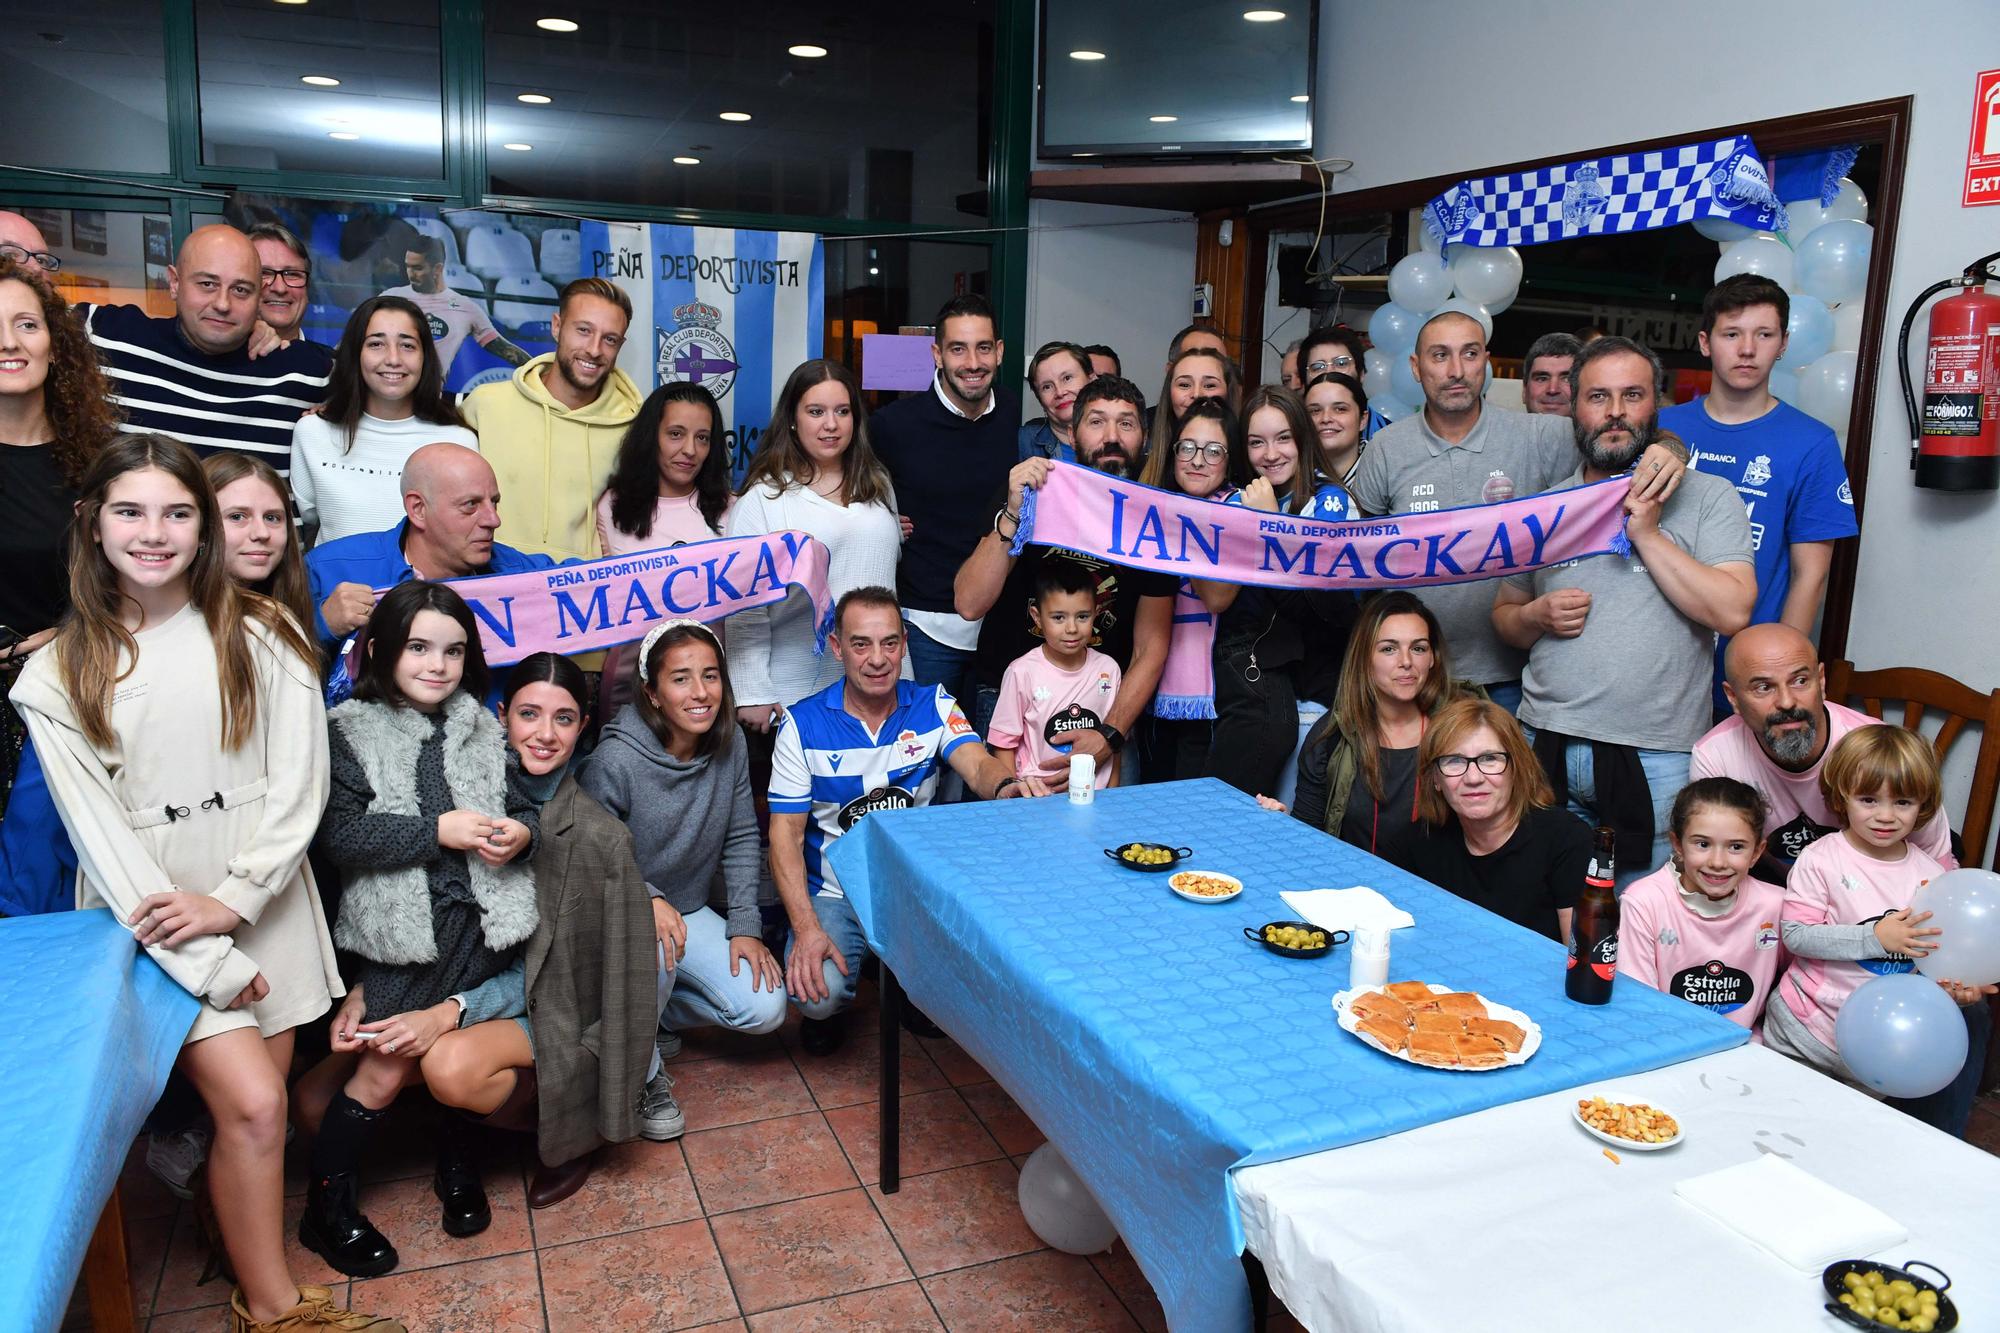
[92, 1029]
[1154, 1045]
[1519, 1199]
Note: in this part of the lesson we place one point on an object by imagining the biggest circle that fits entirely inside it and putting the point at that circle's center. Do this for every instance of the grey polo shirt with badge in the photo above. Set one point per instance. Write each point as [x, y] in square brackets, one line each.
[1409, 469]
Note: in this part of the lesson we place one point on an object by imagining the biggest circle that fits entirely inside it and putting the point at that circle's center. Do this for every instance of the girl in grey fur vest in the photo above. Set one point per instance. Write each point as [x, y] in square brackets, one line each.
[433, 833]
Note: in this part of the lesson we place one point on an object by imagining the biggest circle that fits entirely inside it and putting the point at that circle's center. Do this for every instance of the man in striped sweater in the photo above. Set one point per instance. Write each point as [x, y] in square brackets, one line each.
[190, 374]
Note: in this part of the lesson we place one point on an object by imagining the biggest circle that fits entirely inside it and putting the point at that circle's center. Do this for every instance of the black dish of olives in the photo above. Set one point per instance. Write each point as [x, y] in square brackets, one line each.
[1149, 856]
[1834, 1279]
[1334, 938]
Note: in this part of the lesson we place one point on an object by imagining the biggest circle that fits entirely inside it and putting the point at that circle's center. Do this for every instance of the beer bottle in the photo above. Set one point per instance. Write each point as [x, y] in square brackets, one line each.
[1593, 937]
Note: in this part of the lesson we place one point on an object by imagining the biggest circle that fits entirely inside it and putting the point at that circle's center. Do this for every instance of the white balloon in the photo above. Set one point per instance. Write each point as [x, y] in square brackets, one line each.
[1486, 275]
[1393, 328]
[1965, 905]
[1059, 1207]
[1419, 281]
[1850, 205]
[1847, 326]
[1809, 332]
[1375, 374]
[1760, 253]
[1785, 384]
[1465, 307]
[1722, 231]
[1391, 407]
[1804, 214]
[1833, 262]
[1826, 389]
[1426, 239]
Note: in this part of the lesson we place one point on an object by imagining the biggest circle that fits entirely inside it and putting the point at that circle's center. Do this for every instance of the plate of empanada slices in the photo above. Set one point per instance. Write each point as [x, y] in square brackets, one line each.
[1423, 1023]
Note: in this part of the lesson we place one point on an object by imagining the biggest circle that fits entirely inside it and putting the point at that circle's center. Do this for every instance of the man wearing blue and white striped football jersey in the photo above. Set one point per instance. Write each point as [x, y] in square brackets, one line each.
[870, 741]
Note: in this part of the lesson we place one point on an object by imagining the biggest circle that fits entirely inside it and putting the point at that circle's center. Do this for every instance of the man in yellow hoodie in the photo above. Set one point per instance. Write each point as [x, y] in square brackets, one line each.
[552, 430]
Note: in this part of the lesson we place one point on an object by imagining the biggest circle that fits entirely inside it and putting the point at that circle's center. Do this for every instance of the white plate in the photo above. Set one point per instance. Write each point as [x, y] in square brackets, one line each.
[1628, 1099]
[1202, 898]
[1531, 1043]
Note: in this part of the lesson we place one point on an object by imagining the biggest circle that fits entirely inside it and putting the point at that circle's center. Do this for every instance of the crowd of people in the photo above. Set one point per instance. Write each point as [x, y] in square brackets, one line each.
[519, 889]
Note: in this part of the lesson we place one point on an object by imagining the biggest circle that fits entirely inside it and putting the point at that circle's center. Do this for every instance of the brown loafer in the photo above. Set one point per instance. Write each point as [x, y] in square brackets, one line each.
[550, 1185]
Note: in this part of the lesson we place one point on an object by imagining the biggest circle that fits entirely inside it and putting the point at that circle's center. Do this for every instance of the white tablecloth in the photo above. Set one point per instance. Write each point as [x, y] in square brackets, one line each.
[1513, 1217]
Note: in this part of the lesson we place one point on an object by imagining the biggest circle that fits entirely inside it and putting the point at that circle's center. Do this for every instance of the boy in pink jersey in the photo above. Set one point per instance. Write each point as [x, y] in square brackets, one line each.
[1701, 927]
[1064, 686]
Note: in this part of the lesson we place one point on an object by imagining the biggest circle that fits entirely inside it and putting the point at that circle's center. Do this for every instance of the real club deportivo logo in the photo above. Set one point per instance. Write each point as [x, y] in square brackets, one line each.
[1056, 731]
[1767, 935]
[696, 352]
[1758, 471]
[1846, 494]
[882, 798]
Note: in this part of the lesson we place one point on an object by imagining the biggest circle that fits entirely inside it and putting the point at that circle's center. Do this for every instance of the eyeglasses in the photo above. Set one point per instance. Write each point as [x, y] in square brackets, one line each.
[1193, 449]
[1330, 363]
[291, 277]
[21, 254]
[1493, 763]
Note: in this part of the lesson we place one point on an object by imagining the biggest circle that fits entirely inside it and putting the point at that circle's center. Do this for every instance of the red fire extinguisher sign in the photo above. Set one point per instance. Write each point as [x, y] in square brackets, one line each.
[1982, 154]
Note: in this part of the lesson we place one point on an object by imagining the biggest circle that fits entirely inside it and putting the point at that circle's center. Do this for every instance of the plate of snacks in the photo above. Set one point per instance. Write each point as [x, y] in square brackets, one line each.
[1296, 939]
[1870, 1294]
[1423, 1023]
[1205, 886]
[1631, 1124]
[1153, 856]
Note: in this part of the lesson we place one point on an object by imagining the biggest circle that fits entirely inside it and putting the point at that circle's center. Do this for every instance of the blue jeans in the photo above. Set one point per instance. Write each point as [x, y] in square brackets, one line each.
[934, 663]
[1666, 773]
[705, 995]
[837, 919]
[1506, 693]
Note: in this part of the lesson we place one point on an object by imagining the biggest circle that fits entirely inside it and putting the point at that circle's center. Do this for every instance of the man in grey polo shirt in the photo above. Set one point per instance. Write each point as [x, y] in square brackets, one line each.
[1620, 647]
[1459, 452]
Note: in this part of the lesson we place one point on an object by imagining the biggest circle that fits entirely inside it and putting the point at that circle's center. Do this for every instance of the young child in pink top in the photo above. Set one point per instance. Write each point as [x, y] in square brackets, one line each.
[1847, 904]
[1700, 927]
[1064, 686]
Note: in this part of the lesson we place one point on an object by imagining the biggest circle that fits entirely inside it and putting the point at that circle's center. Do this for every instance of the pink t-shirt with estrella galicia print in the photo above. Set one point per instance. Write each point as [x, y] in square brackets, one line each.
[1040, 702]
[1728, 964]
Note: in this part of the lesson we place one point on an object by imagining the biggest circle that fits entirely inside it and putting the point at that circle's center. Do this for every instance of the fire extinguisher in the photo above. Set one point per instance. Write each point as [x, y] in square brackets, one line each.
[1955, 438]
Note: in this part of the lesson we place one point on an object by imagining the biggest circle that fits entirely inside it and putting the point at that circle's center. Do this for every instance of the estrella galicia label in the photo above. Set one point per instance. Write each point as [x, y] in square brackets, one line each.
[1714, 985]
[1056, 731]
[882, 798]
[1791, 839]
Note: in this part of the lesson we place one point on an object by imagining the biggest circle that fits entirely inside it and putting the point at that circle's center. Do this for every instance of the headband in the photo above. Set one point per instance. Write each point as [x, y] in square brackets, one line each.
[653, 637]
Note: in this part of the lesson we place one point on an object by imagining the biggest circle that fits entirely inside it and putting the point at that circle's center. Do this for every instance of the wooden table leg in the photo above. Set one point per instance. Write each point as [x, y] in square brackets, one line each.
[891, 1165]
[106, 1279]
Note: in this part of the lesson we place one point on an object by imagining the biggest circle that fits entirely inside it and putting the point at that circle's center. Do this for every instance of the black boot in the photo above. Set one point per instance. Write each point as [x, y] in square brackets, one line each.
[456, 1181]
[333, 1226]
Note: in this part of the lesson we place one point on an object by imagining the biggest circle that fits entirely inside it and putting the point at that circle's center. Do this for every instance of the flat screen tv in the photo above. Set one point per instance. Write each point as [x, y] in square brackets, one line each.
[1163, 79]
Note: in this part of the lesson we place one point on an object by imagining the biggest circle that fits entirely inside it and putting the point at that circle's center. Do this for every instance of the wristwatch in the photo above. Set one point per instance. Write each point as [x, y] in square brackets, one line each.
[1003, 784]
[1112, 736]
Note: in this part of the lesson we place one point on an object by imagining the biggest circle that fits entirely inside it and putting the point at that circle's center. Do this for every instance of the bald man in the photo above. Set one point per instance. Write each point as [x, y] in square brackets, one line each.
[1779, 737]
[451, 509]
[22, 242]
[190, 374]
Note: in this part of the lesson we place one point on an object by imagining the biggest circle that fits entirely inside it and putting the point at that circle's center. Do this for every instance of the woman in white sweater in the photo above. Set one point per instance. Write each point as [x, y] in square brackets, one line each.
[177, 716]
[384, 401]
[813, 472]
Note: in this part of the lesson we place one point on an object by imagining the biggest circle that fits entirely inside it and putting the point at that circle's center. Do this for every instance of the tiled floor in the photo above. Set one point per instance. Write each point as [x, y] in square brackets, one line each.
[765, 1217]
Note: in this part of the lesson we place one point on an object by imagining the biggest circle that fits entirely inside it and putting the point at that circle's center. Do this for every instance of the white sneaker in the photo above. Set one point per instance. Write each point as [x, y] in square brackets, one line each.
[174, 1158]
[660, 1117]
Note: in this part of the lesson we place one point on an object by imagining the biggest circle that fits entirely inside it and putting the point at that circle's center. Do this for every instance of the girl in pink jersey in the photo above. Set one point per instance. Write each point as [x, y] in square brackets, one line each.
[1700, 927]
[1847, 904]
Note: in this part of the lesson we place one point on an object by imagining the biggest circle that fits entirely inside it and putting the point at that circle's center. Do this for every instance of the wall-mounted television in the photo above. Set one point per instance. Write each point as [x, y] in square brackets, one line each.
[1163, 79]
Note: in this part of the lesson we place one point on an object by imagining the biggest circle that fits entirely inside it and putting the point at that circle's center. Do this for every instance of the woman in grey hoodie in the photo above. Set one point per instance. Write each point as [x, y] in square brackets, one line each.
[673, 767]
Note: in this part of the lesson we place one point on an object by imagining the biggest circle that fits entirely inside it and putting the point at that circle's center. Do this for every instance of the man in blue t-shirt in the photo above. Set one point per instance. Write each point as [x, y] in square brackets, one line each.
[870, 741]
[1786, 465]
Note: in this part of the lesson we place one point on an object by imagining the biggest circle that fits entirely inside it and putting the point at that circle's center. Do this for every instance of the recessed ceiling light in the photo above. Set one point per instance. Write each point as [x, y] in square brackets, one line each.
[1086, 55]
[518, 147]
[806, 51]
[1163, 120]
[534, 99]
[687, 161]
[874, 272]
[342, 135]
[738, 116]
[320, 80]
[556, 25]
[291, 2]
[1301, 97]
[1263, 15]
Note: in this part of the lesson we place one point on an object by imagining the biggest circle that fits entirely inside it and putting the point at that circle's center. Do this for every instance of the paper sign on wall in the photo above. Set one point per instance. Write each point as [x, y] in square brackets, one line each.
[896, 361]
[1982, 154]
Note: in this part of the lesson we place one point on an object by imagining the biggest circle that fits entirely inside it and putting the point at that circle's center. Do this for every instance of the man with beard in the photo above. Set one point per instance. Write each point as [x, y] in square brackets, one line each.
[453, 316]
[552, 430]
[1456, 453]
[1781, 732]
[1134, 607]
[1619, 647]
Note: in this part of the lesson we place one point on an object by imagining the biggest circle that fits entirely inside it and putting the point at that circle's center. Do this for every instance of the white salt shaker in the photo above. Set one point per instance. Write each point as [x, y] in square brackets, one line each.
[1368, 964]
[1082, 779]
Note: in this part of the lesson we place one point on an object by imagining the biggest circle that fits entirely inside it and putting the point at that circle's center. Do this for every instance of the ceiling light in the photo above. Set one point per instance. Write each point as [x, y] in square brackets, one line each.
[1163, 120]
[320, 80]
[1086, 55]
[738, 116]
[806, 51]
[291, 2]
[556, 25]
[343, 135]
[687, 161]
[1301, 98]
[873, 272]
[518, 147]
[534, 99]
[1263, 15]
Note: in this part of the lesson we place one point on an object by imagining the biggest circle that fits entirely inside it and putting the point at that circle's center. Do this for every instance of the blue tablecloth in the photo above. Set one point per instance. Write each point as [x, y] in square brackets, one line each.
[1157, 1047]
[92, 1027]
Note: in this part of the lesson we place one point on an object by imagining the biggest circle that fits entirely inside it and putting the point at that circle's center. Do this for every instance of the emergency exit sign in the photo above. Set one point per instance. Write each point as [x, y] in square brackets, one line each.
[1982, 154]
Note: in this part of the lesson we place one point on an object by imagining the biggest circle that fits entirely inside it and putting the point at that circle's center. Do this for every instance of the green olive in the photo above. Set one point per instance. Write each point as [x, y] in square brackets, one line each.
[1853, 1282]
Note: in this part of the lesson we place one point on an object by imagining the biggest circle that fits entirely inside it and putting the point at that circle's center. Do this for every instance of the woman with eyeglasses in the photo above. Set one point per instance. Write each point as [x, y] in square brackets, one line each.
[1488, 827]
[1338, 351]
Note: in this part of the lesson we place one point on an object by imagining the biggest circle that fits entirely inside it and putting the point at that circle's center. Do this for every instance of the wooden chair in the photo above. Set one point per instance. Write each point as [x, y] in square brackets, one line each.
[1920, 690]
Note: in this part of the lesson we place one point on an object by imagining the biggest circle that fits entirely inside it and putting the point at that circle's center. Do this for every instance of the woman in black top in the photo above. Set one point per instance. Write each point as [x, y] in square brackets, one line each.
[1489, 830]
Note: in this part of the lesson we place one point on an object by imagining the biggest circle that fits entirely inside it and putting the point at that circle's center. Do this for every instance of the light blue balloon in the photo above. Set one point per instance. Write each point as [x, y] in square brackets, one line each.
[1393, 329]
[1785, 384]
[1375, 375]
[1809, 332]
[1965, 905]
[1833, 261]
[1901, 1035]
[1391, 408]
[1403, 384]
[1419, 281]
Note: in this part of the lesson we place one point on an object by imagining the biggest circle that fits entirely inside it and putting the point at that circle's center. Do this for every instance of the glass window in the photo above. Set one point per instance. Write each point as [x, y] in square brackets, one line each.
[92, 76]
[106, 257]
[347, 86]
[886, 286]
[890, 123]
